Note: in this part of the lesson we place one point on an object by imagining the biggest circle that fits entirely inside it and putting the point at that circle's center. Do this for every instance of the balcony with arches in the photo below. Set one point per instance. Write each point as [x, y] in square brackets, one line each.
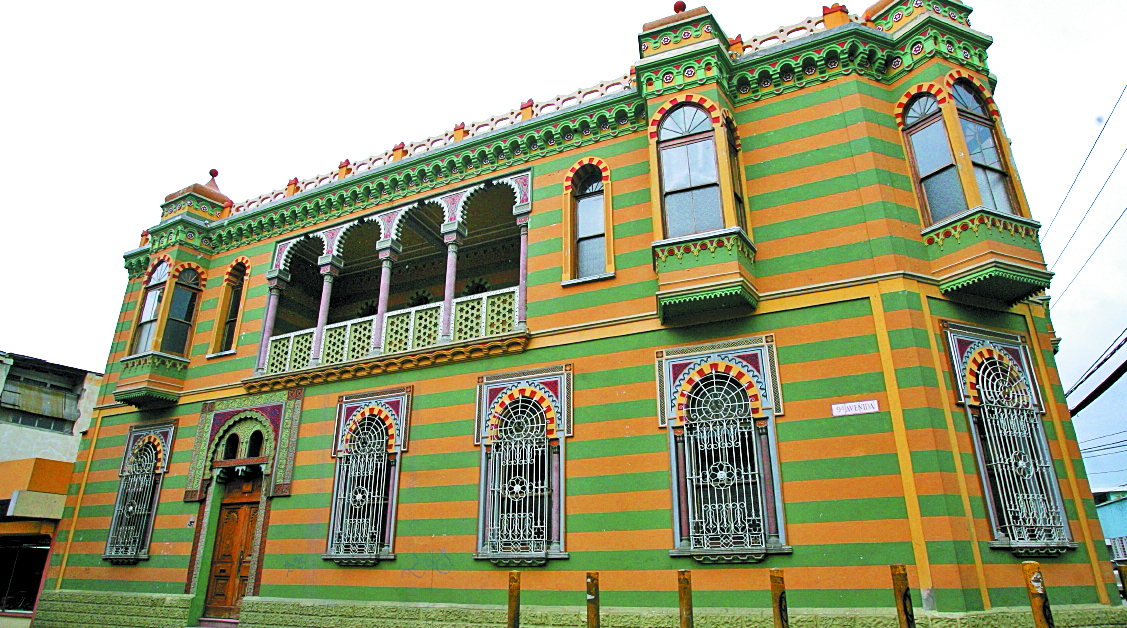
[435, 281]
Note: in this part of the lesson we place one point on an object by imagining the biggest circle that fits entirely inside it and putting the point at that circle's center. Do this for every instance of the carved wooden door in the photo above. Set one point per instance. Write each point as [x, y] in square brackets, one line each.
[231, 561]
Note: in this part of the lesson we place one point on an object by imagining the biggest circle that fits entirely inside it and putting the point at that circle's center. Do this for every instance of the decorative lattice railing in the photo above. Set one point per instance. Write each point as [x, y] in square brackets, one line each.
[488, 314]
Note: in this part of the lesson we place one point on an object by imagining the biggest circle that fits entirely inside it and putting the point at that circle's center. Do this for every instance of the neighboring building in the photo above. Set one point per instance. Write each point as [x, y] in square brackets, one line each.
[747, 306]
[44, 408]
[1111, 509]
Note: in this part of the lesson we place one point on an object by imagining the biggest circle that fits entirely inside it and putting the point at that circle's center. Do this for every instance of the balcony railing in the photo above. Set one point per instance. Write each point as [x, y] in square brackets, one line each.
[477, 316]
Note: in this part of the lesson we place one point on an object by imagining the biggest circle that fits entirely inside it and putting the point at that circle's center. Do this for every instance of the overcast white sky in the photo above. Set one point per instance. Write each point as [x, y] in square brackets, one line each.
[110, 106]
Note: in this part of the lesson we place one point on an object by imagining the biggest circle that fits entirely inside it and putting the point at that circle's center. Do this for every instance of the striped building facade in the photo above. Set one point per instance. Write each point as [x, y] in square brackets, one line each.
[753, 305]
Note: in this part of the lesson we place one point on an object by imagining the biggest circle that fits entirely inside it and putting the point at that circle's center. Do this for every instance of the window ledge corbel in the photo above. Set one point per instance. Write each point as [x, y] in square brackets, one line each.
[751, 555]
[588, 279]
[520, 559]
[1035, 549]
[358, 560]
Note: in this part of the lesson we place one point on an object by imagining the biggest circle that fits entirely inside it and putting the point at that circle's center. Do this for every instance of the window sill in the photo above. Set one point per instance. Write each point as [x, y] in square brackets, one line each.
[357, 560]
[125, 560]
[1034, 549]
[731, 556]
[583, 280]
[521, 559]
[221, 354]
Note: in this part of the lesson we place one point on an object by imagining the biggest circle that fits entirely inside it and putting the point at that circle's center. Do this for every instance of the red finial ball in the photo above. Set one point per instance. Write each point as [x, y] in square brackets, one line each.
[678, 7]
[213, 172]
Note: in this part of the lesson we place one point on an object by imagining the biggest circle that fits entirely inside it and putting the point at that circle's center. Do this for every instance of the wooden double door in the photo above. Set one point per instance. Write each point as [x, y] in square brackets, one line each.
[231, 562]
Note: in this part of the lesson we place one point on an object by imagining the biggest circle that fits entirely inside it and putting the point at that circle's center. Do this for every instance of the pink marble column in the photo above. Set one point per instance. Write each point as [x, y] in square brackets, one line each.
[448, 291]
[767, 481]
[522, 289]
[386, 257]
[277, 283]
[329, 273]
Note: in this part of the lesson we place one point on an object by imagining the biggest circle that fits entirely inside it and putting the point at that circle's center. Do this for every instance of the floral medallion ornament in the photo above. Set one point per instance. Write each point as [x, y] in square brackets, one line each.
[690, 72]
[896, 63]
[605, 126]
[191, 235]
[686, 34]
[938, 9]
[953, 15]
[950, 47]
[586, 131]
[832, 63]
[665, 41]
[918, 3]
[667, 77]
[567, 136]
[809, 70]
[765, 83]
[899, 16]
[645, 46]
[788, 77]
[708, 28]
[880, 28]
[917, 48]
[517, 151]
[966, 53]
[744, 88]
[551, 141]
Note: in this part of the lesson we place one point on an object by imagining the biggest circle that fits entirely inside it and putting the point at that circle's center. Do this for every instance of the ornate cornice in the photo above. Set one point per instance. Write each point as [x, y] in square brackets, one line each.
[980, 218]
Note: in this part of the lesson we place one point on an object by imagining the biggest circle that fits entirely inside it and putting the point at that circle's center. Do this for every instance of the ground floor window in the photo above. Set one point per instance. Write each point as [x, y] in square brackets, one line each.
[22, 561]
[718, 403]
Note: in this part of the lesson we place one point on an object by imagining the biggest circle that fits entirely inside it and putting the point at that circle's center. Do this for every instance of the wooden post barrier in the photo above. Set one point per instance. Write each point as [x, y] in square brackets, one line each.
[903, 595]
[514, 600]
[1038, 596]
[779, 599]
[685, 597]
[592, 599]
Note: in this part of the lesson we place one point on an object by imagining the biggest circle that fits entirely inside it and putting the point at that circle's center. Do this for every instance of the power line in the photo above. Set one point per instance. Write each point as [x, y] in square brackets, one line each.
[1099, 472]
[1100, 361]
[1103, 387]
[1107, 447]
[1090, 206]
[1110, 453]
[1057, 302]
[1088, 440]
[1046, 232]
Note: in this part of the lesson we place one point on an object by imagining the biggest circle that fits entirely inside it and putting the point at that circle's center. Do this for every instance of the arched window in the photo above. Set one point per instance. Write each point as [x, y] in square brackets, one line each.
[254, 444]
[360, 529]
[150, 308]
[232, 301]
[178, 327]
[721, 468]
[231, 447]
[690, 182]
[982, 147]
[936, 172]
[590, 227]
[1018, 472]
[142, 467]
[519, 481]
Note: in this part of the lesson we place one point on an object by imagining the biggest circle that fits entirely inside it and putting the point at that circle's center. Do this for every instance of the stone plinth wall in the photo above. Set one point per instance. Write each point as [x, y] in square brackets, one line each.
[96, 609]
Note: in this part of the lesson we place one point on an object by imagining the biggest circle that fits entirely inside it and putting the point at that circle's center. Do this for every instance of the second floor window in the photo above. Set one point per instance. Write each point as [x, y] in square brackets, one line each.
[150, 308]
[234, 296]
[690, 181]
[182, 310]
[978, 131]
[590, 230]
[936, 172]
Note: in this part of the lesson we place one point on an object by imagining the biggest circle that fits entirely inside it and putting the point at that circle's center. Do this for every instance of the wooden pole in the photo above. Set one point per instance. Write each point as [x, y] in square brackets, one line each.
[514, 600]
[685, 597]
[903, 597]
[592, 599]
[1122, 569]
[779, 599]
[1038, 596]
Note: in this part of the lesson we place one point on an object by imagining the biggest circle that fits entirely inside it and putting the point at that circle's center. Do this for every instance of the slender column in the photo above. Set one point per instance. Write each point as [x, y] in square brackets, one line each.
[330, 268]
[523, 288]
[277, 279]
[387, 258]
[767, 480]
[452, 234]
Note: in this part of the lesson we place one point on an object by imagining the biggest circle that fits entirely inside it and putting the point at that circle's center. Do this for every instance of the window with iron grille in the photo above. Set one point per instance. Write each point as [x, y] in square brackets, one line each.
[718, 403]
[999, 394]
[142, 470]
[371, 435]
[522, 422]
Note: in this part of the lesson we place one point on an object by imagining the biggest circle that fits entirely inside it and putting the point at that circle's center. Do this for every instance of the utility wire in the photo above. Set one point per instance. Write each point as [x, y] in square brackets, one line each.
[1057, 302]
[1090, 206]
[1046, 232]
[1100, 361]
[1099, 472]
[1110, 453]
[1088, 440]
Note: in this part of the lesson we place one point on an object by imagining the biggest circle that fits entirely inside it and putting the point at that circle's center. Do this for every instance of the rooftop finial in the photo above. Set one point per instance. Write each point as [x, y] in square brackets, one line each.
[212, 184]
[213, 172]
[678, 7]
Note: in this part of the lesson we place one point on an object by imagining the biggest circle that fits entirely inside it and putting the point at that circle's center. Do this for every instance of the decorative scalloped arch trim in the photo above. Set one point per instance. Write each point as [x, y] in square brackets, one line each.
[163, 257]
[149, 439]
[983, 90]
[379, 412]
[755, 397]
[229, 276]
[347, 231]
[527, 392]
[194, 266]
[254, 416]
[929, 88]
[714, 110]
[974, 366]
[599, 163]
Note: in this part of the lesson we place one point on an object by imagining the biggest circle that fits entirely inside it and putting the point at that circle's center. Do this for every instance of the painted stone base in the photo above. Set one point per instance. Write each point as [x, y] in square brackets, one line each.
[97, 609]
[261, 612]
